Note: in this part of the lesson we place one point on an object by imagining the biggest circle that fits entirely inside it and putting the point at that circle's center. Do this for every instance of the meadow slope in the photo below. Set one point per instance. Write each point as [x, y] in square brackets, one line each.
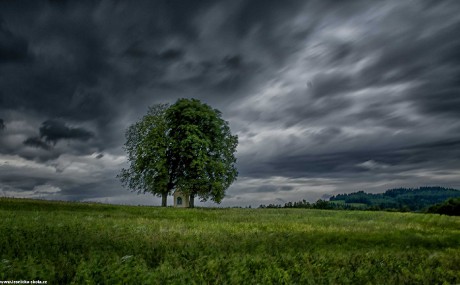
[79, 243]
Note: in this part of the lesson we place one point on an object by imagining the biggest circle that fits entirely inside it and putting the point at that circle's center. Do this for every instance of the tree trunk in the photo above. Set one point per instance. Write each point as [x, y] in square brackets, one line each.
[192, 201]
[164, 199]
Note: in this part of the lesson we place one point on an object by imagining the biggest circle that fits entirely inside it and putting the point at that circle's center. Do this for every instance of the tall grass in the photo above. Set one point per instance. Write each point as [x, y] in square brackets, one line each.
[77, 243]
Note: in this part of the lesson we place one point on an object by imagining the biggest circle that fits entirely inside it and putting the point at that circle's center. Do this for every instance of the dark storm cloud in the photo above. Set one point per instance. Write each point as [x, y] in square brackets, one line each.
[171, 54]
[267, 188]
[2, 125]
[233, 62]
[423, 53]
[439, 99]
[390, 160]
[53, 131]
[298, 112]
[19, 181]
[286, 188]
[40, 143]
[37, 142]
[327, 134]
[81, 67]
[13, 49]
[69, 62]
[330, 84]
[383, 115]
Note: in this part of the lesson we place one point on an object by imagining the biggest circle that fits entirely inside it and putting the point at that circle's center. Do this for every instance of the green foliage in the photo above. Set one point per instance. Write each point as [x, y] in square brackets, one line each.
[202, 148]
[80, 243]
[147, 146]
[450, 207]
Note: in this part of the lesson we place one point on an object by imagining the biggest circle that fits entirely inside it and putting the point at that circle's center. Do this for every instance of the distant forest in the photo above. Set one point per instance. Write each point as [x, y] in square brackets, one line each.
[399, 199]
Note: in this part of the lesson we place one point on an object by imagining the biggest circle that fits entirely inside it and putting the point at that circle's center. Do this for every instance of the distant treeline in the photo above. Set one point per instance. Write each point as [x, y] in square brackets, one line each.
[320, 204]
[399, 199]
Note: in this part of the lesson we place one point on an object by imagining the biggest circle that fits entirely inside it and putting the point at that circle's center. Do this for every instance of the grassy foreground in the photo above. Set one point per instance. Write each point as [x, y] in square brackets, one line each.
[80, 243]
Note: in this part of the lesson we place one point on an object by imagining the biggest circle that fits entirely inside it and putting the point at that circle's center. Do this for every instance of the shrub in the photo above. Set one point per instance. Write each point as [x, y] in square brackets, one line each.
[451, 207]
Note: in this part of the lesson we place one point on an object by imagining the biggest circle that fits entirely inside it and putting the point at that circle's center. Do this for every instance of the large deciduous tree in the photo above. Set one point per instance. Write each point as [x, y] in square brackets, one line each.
[186, 146]
[147, 145]
[202, 149]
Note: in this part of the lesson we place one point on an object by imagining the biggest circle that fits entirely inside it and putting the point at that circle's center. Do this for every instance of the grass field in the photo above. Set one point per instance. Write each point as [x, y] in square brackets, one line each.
[82, 243]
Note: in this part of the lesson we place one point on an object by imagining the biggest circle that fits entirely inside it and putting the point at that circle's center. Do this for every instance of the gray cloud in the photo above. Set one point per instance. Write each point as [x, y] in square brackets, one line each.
[171, 54]
[12, 48]
[53, 131]
[37, 142]
[331, 84]
[389, 161]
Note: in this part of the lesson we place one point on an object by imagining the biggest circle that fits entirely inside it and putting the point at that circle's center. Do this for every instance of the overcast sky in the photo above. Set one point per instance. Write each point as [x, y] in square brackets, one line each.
[326, 96]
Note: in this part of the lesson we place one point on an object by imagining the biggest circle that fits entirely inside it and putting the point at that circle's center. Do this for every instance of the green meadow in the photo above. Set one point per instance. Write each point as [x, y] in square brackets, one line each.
[80, 243]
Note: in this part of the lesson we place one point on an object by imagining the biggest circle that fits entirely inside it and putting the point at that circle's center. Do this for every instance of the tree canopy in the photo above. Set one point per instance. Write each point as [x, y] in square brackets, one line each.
[202, 150]
[147, 146]
[186, 147]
